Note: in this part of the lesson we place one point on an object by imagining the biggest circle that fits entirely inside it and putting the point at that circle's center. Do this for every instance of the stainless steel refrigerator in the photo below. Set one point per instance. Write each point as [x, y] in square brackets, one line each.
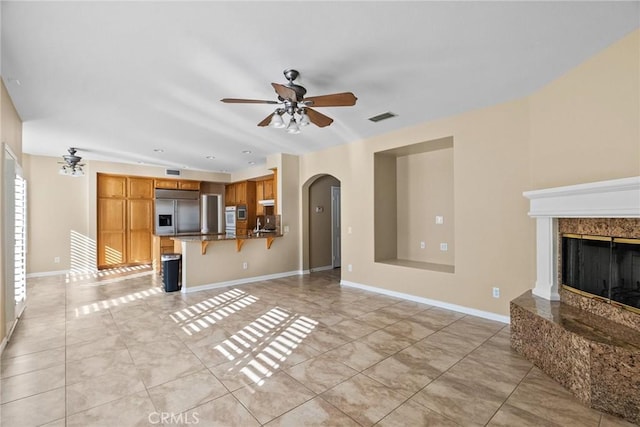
[177, 212]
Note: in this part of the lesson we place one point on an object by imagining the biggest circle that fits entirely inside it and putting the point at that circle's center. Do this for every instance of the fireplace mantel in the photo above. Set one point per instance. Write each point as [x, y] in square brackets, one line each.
[618, 198]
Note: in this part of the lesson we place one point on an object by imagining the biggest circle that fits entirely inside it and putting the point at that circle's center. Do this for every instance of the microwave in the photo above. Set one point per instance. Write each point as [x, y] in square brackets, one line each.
[241, 212]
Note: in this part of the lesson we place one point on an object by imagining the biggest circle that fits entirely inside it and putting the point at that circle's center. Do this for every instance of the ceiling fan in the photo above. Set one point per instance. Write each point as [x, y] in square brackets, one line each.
[71, 165]
[291, 100]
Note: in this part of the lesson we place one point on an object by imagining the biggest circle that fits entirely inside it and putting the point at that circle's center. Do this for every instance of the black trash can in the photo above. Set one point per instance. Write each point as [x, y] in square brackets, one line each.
[171, 272]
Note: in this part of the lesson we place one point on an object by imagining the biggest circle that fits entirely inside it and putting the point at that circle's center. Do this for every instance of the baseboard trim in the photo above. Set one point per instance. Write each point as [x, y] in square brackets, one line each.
[323, 268]
[239, 282]
[436, 303]
[47, 273]
[3, 345]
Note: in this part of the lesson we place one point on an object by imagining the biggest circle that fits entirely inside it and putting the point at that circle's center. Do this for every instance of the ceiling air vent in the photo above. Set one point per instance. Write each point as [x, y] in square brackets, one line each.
[383, 116]
[172, 172]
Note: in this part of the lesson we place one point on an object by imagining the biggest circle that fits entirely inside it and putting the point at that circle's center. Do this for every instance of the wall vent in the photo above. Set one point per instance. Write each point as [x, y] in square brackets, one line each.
[383, 116]
[172, 172]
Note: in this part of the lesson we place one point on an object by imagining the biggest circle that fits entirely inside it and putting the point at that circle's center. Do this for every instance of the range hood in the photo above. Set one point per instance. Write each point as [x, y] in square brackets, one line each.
[267, 202]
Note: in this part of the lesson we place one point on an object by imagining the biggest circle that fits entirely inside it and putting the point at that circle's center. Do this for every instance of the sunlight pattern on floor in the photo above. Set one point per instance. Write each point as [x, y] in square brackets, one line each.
[266, 342]
[114, 302]
[202, 315]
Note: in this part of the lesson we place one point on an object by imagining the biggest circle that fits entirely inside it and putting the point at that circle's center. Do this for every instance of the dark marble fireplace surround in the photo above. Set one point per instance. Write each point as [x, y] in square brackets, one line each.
[590, 346]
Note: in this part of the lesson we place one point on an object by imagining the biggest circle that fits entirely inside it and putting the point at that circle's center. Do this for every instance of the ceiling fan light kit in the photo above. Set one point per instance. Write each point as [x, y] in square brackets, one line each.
[292, 101]
[71, 165]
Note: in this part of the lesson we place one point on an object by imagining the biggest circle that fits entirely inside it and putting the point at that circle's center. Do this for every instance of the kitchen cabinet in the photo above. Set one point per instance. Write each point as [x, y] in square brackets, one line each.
[259, 196]
[268, 193]
[112, 231]
[189, 185]
[177, 184]
[241, 193]
[140, 188]
[125, 220]
[170, 184]
[112, 186]
[140, 230]
[230, 195]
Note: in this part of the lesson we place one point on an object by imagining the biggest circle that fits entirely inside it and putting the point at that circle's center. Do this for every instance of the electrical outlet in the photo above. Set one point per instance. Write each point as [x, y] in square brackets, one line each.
[245, 265]
[422, 245]
[286, 228]
[56, 259]
[439, 219]
[496, 292]
[349, 230]
[444, 247]
[350, 267]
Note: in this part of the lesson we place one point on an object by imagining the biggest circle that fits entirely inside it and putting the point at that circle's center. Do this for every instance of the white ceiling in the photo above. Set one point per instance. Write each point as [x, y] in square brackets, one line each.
[120, 79]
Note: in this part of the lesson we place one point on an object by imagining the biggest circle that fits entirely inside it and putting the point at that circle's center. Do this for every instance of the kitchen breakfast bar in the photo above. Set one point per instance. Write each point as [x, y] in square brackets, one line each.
[215, 260]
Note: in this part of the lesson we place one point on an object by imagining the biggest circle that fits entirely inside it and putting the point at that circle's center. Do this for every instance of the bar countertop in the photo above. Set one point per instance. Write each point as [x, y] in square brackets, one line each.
[223, 236]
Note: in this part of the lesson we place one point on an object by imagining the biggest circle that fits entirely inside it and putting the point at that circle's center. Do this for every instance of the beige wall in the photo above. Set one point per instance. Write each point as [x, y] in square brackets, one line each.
[499, 152]
[425, 189]
[58, 214]
[585, 126]
[320, 239]
[488, 207]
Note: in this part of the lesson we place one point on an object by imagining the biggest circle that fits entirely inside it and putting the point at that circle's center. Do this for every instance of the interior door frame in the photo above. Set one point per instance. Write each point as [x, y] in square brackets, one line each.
[336, 228]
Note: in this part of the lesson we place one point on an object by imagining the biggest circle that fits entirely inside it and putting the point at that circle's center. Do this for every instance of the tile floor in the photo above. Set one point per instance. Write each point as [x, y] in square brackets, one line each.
[117, 351]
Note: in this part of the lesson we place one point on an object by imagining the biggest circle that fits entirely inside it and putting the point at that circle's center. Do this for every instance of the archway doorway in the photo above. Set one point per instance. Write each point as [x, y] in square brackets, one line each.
[322, 224]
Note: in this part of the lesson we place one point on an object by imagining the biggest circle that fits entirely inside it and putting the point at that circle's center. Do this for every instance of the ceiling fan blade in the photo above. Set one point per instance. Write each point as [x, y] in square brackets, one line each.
[266, 120]
[344, 99]
[285, 92]
[247, 101]
[318, 119]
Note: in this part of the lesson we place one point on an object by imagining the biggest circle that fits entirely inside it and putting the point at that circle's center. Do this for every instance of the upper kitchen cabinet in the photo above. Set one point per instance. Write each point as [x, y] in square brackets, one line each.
[189, 185]
[171, 184]
[246, 193]
[241, 193]
[230, 195]
[259, 196]
[140, 188]
[177, 184]
[112, 186]
[268, 193]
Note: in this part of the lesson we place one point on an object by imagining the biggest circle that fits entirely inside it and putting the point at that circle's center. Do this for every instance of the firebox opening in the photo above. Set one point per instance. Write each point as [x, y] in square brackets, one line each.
[603, 267]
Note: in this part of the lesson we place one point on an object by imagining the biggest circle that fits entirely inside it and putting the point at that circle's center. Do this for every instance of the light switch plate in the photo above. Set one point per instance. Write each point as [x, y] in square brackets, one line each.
[439, 219]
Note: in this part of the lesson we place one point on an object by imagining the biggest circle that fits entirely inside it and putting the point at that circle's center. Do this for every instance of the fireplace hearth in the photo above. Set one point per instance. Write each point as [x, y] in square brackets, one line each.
[580, 324]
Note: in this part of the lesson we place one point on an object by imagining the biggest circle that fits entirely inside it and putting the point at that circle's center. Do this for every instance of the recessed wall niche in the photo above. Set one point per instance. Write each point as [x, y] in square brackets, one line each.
[413, 185]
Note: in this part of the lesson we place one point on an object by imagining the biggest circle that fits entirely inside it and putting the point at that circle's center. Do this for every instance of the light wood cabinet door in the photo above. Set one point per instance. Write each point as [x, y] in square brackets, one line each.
[268, 189]
[140, 188]
[241, 193]
[171, 184]
[230, 195]
[189, 185]
[140, 230]
[259, 196]
[112, 228]
[112, 186]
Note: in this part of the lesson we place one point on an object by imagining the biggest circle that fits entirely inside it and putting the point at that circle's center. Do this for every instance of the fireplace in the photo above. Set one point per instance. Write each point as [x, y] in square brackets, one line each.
[580, 323]
[604, 266]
